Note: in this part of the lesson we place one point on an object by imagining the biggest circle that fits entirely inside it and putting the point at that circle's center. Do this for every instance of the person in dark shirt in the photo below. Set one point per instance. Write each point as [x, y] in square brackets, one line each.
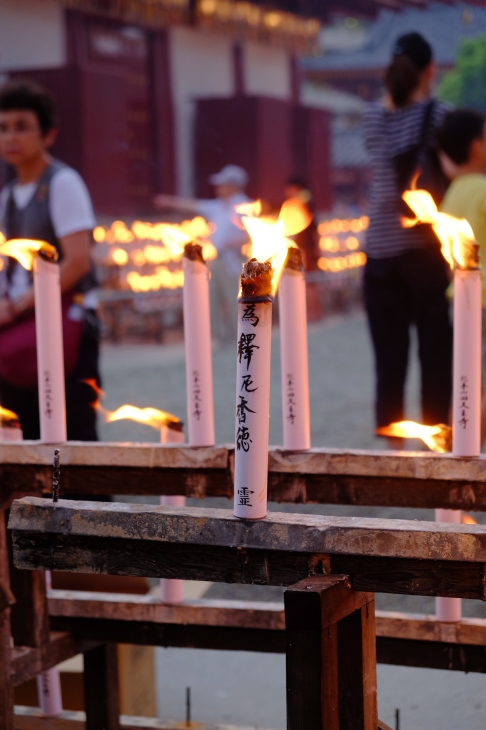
[47, 201]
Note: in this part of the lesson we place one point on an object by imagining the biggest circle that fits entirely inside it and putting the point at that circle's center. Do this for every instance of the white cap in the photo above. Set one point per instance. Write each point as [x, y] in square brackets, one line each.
[230, 175]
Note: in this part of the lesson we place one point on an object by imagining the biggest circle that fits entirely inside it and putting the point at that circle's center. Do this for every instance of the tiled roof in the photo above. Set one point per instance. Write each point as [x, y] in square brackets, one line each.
[443, 26]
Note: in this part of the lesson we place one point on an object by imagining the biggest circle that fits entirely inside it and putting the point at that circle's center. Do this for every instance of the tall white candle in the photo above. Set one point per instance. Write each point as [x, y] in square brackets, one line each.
[253, 399]
[50, 356]
[197, 338]
[172, 590]
[466, 395]
[293, 350]
[466, 391]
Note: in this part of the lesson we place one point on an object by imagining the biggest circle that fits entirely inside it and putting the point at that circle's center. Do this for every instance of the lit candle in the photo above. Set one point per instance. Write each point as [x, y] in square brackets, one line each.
[171, 432]
[461, 252]
[197, 338]
[258, 286]
[293, 350]
[49, 682]
[253, 390]
[43, 258]
[171, 589]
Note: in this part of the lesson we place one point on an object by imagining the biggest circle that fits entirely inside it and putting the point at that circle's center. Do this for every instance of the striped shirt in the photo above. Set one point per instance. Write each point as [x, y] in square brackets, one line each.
[388, 133]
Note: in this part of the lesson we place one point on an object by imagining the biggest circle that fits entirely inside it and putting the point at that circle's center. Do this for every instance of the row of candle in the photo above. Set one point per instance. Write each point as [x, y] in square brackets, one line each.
[258, 287]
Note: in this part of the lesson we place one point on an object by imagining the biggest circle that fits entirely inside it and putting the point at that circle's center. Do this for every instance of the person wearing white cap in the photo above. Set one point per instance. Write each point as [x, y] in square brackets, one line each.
[228, 238]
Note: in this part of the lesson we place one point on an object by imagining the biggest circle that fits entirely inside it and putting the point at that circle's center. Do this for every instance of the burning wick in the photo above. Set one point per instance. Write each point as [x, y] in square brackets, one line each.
[293, 352]
[461, 252]
[438, 438]
[43, 259]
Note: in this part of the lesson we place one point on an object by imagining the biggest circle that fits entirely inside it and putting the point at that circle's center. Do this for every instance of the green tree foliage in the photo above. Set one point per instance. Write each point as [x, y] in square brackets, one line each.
[465, 86]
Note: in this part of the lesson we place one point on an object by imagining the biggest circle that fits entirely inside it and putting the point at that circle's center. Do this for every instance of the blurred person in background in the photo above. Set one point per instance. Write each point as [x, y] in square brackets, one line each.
[406, 277]
[46, 201]
[228, 237]
[308, 242]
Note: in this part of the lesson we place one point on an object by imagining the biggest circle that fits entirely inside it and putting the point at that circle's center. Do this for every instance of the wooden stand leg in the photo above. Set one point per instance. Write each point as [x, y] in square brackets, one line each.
[101, 695]
[6, 688]
[331, 656]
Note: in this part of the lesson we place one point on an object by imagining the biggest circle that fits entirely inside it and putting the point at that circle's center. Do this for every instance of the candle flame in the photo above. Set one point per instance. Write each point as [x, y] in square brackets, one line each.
[269, 238]
[455, 235]
[25, 250]
[149, 416]
[6, 415]
[468, 519]
[438, 438]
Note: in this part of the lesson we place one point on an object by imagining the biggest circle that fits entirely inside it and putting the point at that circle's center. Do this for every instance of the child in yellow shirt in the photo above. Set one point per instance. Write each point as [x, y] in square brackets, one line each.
[462, 145]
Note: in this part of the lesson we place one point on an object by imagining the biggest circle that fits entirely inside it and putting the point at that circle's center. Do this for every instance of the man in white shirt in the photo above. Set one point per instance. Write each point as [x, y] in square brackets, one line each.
[228, 238]
[47, 201]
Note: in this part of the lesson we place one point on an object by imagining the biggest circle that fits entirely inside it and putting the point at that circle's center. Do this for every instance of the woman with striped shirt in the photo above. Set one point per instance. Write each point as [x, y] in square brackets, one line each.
[406, 276]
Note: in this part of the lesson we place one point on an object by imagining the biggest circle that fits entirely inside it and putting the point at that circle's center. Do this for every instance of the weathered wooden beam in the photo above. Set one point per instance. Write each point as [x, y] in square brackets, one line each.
[396, 556]
[326, 476]
[30, 719]
[6, 596]
[6, 687]
[28, 662]
[402, 639]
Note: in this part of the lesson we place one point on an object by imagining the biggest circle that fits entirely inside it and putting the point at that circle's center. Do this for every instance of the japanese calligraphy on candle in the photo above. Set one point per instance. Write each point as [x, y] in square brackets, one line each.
[252, 407]
[48, 394]
[196, 392]
[290, 399]
[463, 402]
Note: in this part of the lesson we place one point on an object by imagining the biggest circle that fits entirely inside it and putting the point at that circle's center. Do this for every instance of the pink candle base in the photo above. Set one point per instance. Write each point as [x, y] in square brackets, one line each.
[448, 609]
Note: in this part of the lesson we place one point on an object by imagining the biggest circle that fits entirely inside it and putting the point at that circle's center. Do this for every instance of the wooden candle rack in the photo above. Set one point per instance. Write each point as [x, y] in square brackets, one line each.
[333, 553]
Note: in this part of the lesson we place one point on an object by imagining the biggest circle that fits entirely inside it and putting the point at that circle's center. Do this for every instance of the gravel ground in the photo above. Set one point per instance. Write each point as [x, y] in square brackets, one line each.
[341, 390]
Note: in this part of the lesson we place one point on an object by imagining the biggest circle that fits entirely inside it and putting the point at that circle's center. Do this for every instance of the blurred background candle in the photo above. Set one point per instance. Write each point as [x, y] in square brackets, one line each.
[461, 252]
[43, 259]
[293, 351]
[172, 432]
[197, 341]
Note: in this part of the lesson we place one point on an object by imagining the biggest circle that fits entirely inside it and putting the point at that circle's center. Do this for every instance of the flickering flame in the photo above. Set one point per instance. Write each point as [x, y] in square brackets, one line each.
[269, 240]
[164, 247]
[468, 519]
[119, 256]
[438, 438]
[6, 415]
[149, 416]
[25, 250]
[252, 209]
[341, 263]
[455, 235]
[163, 278]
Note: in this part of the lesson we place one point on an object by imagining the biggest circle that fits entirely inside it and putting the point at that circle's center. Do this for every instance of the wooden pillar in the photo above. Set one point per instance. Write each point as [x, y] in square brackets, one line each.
[6, 689]
[331, 656]
[101, 693]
